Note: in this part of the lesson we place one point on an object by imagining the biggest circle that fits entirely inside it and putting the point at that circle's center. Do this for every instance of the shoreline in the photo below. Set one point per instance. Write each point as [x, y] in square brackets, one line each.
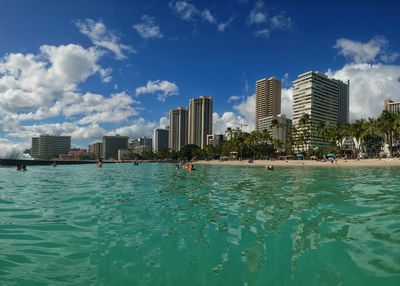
[393, 162]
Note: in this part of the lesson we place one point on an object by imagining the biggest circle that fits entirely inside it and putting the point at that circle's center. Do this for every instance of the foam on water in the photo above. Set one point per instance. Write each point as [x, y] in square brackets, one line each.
[154, 225]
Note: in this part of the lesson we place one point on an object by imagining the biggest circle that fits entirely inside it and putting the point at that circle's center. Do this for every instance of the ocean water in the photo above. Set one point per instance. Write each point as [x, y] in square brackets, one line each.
[154, 225]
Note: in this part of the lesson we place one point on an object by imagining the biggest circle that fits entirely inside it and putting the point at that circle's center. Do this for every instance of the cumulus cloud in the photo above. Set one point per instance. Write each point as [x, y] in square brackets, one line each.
[28, 82]
[10, 150]
[148, 28]
[186, 11]
[370, 52]
[103, 37]
[369, 86]
[287, 101]
[164, 122]
[163, 89]
[266, 21]
[139, 128]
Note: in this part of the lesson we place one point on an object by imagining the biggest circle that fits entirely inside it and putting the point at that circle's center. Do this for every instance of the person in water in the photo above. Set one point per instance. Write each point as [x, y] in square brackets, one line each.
[24, 167]
[270, 167]
[192, 168]
[19, 167]
[177, 166]
[100, 163]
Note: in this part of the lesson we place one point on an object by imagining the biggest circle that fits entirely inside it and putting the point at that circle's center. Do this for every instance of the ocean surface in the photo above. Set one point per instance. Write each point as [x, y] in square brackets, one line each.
[154, 225]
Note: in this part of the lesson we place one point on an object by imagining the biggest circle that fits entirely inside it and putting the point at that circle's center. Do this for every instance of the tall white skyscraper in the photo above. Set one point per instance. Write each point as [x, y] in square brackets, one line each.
[323, 99]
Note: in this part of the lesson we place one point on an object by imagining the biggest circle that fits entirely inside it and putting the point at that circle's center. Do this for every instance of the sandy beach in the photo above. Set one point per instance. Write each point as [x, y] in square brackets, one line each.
[310, 163]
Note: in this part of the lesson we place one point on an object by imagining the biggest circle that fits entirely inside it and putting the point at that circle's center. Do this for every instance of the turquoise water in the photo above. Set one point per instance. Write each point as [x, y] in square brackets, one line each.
[154, 225]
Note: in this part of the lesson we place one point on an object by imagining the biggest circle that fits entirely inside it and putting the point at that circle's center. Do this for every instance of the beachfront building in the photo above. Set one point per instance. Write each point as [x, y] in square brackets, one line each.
[160, 139]
[178, 128]
[111, 144]
[324, 99]
[268, 98]
[392, 106]
[278, 126]
[215, 140]
[96, 150]
[200, 120]
[47, 146]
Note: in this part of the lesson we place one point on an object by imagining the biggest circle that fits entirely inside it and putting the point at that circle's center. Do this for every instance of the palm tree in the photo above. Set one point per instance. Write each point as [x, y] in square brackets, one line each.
[322, 131]
[358, 129]
[386, 123]
[275, 123]
[305, 128]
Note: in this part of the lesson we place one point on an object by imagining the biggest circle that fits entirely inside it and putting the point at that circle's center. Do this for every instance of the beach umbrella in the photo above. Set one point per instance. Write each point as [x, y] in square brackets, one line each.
[330, 155]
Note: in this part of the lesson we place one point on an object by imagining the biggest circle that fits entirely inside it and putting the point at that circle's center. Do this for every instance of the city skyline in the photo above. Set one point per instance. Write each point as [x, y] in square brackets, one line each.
[120, 67]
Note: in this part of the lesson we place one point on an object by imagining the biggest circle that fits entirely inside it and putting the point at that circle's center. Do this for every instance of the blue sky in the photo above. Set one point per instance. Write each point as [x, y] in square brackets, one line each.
[87, 68]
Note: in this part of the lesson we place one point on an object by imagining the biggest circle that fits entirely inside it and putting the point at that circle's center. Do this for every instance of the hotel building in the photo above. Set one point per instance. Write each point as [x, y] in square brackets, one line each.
[178, 128]
[200, 120]
[323, 98]
[392, 106]
[281, 131]
[48, 147]
[160, 139]
[268, 98]
[111, 144]
[96, 149]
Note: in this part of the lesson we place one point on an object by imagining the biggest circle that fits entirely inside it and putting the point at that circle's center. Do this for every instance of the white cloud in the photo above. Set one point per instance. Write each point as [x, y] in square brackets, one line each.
[228, 119]
[372, 51]
[369, 86]
[187, 11]
[206, 14]
[162, 88]
[138, 128]
[267, 22]
[148, 29]
[287, 101]
[246, 109]
[223, 25]
[234, 98]
[164, 122]
[102, 37]
[29, 82]
[10, 150]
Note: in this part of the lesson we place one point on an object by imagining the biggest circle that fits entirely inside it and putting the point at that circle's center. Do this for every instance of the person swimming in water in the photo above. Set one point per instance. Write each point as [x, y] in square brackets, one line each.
[270, 167]
[19, 167]
[100, 163]
[23, 167]
[177, 166]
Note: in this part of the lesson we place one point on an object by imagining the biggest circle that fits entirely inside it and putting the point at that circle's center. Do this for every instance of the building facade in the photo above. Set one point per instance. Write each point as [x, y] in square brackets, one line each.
[268, 98]
[178, 128]
[160, 139]
[96, 150]
[392, 106]
[215, 140]
[47, 147]
[200, 120]
[111, 144]
[279, 131]
[319, 96]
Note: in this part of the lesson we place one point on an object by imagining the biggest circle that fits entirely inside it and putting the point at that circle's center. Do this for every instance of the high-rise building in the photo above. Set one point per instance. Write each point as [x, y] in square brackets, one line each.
[343, 100]
[111, 144]
[160, 139]
[215, 140]
[178, 128]
[392, 106]
[96, 149]
[48, 147]
[200, 120]
[268, 98]
[320, 97]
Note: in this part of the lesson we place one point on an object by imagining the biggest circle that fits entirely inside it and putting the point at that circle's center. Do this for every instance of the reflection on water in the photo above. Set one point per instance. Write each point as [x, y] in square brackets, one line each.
[154, 225]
